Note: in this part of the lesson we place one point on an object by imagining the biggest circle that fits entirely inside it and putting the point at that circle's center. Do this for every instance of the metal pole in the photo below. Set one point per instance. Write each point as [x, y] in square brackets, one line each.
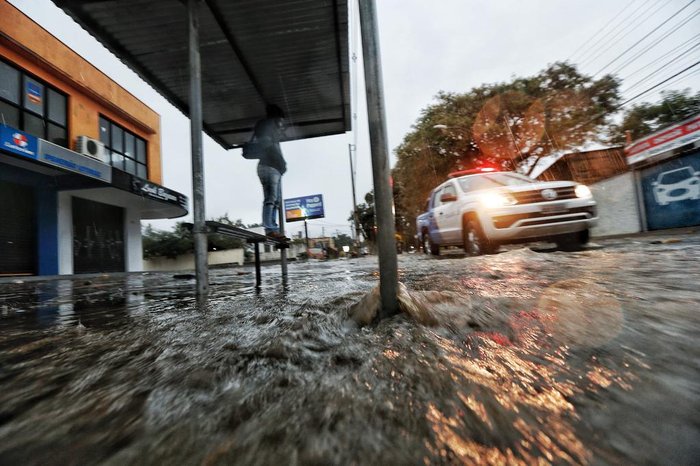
[199, 229]
[354, 200]
[280, 216]
[257, 264]
[306, 232]
[388, 266]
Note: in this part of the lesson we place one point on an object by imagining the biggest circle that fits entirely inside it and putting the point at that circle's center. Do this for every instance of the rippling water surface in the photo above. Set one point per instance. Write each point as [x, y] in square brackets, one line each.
[521, 358]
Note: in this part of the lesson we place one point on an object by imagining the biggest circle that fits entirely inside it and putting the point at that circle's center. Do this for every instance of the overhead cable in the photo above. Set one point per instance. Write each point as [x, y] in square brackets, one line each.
[632, 21]
[674, 29]
[658, 84]
[662, 67]
[588, 42]
[659, 58]
[645, 36]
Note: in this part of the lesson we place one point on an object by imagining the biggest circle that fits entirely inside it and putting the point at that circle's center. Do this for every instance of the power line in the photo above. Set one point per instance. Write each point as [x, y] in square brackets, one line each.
[636, 96]
[646, 36]
[658, 84]
[658, 59]
[686, 61]
[674, 29]
[623, 30]
[682, 78]
[662, 67]
[587, 42]
[592, 47]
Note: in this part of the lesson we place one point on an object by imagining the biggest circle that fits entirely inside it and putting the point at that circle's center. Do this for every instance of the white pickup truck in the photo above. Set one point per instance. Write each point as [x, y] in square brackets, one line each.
[482, 209]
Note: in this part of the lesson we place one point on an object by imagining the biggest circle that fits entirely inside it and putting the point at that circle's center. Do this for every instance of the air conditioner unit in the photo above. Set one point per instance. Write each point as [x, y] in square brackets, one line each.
[91, 147]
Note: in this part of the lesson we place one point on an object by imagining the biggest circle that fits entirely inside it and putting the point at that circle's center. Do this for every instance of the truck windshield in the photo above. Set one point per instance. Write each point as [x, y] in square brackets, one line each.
[493, 180]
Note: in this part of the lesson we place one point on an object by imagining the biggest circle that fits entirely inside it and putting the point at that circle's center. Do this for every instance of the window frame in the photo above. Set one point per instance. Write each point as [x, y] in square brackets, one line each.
[25, 112]
[119, 158]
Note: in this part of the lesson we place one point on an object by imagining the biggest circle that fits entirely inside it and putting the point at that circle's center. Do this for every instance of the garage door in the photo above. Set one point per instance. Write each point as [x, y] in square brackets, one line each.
[672, 193]
[18, 231]
[98, 237]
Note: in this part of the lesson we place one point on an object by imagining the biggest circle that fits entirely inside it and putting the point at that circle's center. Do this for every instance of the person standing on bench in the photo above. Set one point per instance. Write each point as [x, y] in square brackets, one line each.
[271, 167]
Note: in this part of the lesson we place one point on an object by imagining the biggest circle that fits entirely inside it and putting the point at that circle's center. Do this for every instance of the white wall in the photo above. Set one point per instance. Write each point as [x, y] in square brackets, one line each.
[186, 262]
[65, 234]
[133, 255]
[618, 210]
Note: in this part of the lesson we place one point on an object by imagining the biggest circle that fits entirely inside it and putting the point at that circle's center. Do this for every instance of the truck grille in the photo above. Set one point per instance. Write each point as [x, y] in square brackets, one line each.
[531, 197]
[541, 218]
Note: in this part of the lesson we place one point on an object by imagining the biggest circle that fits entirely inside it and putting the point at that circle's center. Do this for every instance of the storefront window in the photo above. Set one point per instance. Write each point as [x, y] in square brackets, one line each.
[9, 83]
[32, 106]
[127, 151]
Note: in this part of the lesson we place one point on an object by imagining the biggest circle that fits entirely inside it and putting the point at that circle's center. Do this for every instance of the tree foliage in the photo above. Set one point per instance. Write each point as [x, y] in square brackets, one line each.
[179, 241]
[500, 125]
[365, 216]
[646, 118]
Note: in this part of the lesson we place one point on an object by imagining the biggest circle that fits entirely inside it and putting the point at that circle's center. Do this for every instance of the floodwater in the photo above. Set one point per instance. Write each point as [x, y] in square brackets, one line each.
[524, 357]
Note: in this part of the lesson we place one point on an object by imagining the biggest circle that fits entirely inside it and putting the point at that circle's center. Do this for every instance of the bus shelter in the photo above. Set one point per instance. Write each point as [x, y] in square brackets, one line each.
[221, 61]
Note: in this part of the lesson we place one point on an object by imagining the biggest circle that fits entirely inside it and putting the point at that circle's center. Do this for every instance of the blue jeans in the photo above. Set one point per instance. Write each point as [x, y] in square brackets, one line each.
[270, 179]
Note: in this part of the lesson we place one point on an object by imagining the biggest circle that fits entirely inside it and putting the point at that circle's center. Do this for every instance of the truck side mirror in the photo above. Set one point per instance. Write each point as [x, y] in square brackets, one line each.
[448, 197]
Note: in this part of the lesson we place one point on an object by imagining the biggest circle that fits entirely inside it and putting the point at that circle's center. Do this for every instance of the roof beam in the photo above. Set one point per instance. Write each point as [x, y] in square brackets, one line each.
[218, 17]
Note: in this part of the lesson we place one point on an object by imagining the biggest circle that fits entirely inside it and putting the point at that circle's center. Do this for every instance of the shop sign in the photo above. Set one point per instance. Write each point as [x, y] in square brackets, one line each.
[156, 192]
[303, 208]
[678, 135]
[18, 142]
[58, 156]
[33, 93]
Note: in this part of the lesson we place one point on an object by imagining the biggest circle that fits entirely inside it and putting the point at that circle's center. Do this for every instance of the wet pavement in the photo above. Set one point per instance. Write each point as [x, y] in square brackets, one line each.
[524, 357]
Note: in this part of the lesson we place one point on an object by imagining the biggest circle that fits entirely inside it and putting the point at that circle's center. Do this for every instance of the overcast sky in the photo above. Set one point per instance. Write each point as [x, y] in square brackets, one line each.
[427, 46]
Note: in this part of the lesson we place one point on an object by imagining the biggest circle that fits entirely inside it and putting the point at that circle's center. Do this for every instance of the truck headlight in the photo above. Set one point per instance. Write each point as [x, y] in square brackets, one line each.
[494, 200]
[583, 191]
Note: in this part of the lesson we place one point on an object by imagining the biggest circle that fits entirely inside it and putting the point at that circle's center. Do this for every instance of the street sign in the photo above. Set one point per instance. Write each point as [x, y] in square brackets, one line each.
[304, 208]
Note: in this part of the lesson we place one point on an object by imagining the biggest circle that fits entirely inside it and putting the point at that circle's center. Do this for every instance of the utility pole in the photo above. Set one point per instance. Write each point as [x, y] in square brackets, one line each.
[356, 220]
[383, 198]
[199, 231]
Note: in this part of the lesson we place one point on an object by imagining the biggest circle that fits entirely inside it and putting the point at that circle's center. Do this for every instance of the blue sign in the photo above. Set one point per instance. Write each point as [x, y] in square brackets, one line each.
[58, 156]
[18, 142]
[33, 93]
[303, 208]
[672, 193]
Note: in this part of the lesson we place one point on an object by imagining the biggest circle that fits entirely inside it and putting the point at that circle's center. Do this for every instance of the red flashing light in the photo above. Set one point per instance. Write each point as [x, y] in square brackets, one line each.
[474, 171]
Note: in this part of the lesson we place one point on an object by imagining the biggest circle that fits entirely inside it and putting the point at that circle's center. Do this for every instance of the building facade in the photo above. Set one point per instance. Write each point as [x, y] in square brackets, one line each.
[651, 184]
[80, 160]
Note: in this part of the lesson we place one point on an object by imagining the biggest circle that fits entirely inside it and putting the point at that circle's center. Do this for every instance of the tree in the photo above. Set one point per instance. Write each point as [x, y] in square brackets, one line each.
[646, 118]
[502, 125]
[343, 240]
[158, 243]
[365, 216]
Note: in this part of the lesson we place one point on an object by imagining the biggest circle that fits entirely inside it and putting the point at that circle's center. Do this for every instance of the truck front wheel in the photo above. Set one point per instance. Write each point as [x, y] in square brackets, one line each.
[475, 242]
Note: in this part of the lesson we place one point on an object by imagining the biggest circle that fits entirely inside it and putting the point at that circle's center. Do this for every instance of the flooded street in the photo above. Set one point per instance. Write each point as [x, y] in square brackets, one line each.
[524, 357]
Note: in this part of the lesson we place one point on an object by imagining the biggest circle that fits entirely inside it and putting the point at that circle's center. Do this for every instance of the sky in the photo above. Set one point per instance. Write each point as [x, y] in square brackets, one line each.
[426, 47]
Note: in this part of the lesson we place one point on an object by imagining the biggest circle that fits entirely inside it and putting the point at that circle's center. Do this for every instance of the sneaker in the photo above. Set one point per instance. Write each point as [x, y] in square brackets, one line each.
[277, 235]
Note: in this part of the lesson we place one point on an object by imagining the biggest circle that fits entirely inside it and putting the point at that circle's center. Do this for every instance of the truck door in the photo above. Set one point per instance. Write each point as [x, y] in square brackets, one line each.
[444, 214]
[450, 218]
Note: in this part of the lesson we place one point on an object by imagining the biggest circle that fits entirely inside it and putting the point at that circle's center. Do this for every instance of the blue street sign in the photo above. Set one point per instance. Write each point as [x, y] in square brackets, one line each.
[303, 208]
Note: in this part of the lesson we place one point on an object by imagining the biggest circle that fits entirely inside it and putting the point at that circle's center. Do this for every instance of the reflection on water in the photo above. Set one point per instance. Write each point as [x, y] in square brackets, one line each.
[517, 358]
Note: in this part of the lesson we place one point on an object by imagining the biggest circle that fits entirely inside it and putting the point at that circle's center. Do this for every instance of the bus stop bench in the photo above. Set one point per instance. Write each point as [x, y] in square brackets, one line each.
[250, 237]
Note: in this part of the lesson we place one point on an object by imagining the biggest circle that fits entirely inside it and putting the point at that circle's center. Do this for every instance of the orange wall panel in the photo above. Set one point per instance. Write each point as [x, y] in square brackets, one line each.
[90, 92]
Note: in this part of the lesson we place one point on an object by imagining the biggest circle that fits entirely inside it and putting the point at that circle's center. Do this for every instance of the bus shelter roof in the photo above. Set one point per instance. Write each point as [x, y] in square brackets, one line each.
[292, 53]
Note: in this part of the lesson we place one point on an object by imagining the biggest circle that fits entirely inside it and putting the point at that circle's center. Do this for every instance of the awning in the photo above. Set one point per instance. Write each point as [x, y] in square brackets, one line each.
[73, 171]
[291, 53]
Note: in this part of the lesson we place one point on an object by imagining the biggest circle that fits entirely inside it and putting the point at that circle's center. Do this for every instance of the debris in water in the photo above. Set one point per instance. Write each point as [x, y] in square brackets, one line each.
[432, 308]
[667, 241]
[184, 276]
